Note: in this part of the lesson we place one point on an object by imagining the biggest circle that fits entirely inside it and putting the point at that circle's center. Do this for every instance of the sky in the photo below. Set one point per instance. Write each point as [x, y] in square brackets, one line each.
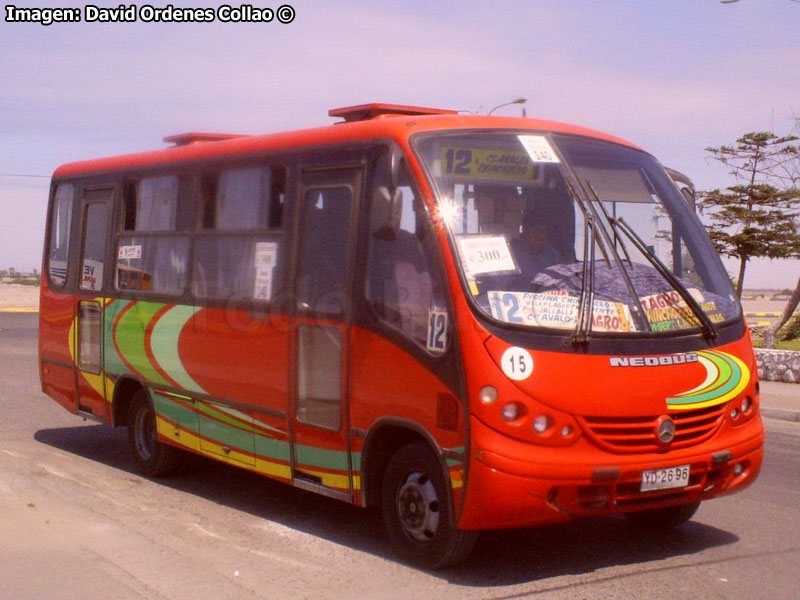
[673, 76]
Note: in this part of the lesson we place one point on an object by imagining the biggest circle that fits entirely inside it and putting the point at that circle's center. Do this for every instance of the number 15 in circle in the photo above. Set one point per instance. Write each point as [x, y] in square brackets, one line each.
[517, 363]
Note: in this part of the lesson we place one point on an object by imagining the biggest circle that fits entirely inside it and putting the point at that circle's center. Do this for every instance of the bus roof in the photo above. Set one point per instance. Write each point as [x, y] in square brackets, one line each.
[362, 122]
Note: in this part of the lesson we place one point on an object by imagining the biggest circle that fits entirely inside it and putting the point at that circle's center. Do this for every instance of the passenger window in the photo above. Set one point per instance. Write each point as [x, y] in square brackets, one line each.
[152, 259]
[158, 204]
[60, 225]
[231, 261]
[155, 264]
[244, 199]
[403, 286]
[235, 267]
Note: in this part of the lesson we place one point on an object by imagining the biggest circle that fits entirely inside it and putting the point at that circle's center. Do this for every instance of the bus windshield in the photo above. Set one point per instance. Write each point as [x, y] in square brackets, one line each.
[574, 234]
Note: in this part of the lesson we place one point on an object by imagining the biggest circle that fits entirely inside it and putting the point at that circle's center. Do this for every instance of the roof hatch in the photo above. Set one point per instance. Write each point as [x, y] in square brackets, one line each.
[365, 112]
[184, 139]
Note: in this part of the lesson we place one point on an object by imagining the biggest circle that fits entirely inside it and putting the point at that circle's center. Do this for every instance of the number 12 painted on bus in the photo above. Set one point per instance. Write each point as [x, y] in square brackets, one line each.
[470, 322]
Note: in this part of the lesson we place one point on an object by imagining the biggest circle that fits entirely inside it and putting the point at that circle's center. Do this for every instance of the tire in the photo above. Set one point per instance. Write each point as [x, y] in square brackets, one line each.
[663, 519]
[153, 458]
[417, 513]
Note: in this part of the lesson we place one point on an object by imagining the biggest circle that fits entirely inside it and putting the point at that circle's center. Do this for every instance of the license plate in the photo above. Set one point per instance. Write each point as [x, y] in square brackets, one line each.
[663, 479]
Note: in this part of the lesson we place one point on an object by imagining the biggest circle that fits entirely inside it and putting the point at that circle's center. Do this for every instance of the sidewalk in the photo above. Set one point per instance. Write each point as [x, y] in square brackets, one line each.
[780, 400]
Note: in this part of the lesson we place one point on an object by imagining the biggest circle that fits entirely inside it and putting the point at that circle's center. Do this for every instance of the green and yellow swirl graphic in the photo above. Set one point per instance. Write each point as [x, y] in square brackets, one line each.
[726, 377]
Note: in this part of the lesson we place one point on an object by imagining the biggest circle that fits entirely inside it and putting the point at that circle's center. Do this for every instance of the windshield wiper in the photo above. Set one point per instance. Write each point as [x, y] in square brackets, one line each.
[637, 312]
[705, 323]
[583, 325]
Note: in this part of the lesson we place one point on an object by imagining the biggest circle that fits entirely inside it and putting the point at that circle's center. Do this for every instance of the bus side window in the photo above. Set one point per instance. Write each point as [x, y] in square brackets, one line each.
[403, 287]
[153, 254]
[233, 256]
[158, 204]
[60, 225]
[243, 199]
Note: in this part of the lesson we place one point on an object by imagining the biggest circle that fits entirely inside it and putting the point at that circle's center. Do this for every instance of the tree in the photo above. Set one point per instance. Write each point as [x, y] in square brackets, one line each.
[771, 333]
[758, 216]
[793, 172]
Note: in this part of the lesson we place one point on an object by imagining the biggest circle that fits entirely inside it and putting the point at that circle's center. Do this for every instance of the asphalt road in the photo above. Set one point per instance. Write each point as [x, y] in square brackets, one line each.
[77, 521]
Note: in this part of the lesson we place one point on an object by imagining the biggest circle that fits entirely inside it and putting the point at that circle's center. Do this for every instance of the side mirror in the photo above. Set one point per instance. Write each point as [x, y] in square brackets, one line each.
[685, 186]
[387, 211]
[395, 157]
[388, 201]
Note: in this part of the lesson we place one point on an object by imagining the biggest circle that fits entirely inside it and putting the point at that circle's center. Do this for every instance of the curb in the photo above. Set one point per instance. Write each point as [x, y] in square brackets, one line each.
[19, 310]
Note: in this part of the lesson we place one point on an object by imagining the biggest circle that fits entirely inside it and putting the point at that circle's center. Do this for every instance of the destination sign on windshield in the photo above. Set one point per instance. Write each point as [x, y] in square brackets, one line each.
[471, 163]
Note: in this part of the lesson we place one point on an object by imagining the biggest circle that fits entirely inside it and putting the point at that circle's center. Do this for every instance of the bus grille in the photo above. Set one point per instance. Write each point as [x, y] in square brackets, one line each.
[638, 434]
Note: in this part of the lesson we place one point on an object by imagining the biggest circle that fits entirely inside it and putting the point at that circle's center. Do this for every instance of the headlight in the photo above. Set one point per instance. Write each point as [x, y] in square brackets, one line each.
[488, 394]
[542, 423]
[513, 411]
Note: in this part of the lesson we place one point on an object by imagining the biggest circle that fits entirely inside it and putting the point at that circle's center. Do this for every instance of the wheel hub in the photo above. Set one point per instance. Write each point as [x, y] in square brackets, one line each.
[146, 434]
[418, 507]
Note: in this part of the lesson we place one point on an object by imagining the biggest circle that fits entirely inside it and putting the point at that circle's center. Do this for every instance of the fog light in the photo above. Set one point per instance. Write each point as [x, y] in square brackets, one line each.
[737, 469]
[747, 404]
[513, 411]
[734, 412]
[566, 430]
[488, 394]
[541, 423]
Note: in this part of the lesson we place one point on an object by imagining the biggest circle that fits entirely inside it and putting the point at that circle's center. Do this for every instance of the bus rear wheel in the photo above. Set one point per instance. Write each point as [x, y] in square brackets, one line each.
[416, 512]
[663, 519]
[153, 458]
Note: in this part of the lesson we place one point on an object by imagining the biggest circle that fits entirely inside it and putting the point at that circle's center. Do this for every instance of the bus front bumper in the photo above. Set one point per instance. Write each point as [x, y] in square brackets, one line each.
[516, 484]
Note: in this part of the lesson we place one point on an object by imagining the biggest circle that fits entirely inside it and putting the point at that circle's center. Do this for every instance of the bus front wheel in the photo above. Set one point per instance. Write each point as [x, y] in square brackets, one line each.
[151, 456]
[416, 512]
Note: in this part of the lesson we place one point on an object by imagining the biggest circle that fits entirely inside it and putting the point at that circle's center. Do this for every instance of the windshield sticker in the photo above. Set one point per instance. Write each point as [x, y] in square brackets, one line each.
[266, 257]
[488, 163]
[129, 253]
[485, 254]
[538, 148]
[667, 311]
[92, 278]
[558, 310]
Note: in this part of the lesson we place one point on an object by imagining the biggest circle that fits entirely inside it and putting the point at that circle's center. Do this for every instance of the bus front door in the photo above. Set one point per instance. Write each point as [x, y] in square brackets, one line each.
[319, 415]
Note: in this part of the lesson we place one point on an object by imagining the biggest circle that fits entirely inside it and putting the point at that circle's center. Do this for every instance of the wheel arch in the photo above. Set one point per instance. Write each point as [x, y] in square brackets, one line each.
[383, 440]
[125, 388]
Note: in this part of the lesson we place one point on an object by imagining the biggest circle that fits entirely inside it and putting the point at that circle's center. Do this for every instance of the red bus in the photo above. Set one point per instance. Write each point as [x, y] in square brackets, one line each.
[470, 322]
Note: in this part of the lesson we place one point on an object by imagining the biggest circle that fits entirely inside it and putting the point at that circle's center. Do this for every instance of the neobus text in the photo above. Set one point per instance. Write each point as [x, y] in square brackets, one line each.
[653, 361]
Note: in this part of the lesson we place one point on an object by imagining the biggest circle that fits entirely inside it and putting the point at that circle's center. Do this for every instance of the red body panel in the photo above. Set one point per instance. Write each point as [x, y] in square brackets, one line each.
[55, 344]
[232, 355]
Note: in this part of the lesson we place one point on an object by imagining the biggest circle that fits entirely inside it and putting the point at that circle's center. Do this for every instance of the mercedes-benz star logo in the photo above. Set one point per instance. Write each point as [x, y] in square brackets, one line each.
[665, 430]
